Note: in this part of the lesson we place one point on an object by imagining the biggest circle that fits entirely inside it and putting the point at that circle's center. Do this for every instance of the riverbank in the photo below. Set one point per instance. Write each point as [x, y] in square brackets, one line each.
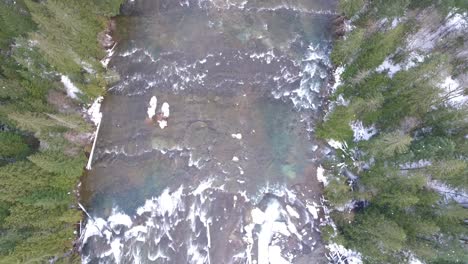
[50, 73]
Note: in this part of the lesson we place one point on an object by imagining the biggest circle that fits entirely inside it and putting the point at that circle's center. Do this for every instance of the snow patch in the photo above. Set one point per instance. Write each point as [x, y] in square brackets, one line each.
[337, 144]
[258, 217]
[271, 213]
[449, 193]
[411, 61]
[454, 92]
[387, 65]
[94, 111]
[427, 37]
[275, 255]
[395, 22]
[337, 76]
[96, 116]
[313, 210]
[457, 21]
[340, 254]
[71, 89]
[165, 114]
[162, 124]
[110, 53]
[321, 177]
[165, 109]
[415, 165]
[152, 107]
[414, 260]
[361, 132]
[347, 207]
[291, 211]
[237, 136]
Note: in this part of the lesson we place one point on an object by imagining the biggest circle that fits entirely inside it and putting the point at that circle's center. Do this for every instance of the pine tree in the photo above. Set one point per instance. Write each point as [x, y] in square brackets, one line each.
[32, 122]
[14, 21]
[12, 146]
[389, 144]
[376, 237]
[20, 179]
[453, 172]
[57, 163]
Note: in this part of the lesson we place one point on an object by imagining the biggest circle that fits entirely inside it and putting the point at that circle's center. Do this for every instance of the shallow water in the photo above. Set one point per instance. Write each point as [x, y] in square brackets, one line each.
[231, 179]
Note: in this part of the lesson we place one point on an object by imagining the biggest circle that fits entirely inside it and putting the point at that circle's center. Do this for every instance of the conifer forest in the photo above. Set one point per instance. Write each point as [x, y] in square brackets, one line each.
[299, 131]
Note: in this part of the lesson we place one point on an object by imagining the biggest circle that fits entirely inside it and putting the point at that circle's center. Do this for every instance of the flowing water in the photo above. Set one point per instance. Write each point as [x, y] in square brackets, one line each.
[232, 178]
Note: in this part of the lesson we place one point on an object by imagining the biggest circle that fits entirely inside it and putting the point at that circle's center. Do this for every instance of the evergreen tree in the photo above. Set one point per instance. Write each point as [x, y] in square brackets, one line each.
[12, 146]
[389, 144]
[421, 138]
[50, 38]
[376, 237]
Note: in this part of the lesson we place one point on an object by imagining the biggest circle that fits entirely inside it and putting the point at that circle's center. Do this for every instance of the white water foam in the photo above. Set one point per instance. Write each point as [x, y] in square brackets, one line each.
[314, 66]
[155, 224]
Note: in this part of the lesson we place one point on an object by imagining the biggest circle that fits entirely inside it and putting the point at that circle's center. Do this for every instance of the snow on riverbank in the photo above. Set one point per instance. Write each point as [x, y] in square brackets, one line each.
[337, 78]
[321, 177]
[110, 53]
[94, 112]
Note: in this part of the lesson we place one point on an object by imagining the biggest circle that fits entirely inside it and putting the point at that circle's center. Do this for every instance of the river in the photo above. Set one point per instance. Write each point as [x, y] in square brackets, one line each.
[232, 177]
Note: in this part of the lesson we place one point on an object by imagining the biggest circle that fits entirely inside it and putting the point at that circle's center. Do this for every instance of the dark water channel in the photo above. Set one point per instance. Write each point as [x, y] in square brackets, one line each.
[232, 178]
